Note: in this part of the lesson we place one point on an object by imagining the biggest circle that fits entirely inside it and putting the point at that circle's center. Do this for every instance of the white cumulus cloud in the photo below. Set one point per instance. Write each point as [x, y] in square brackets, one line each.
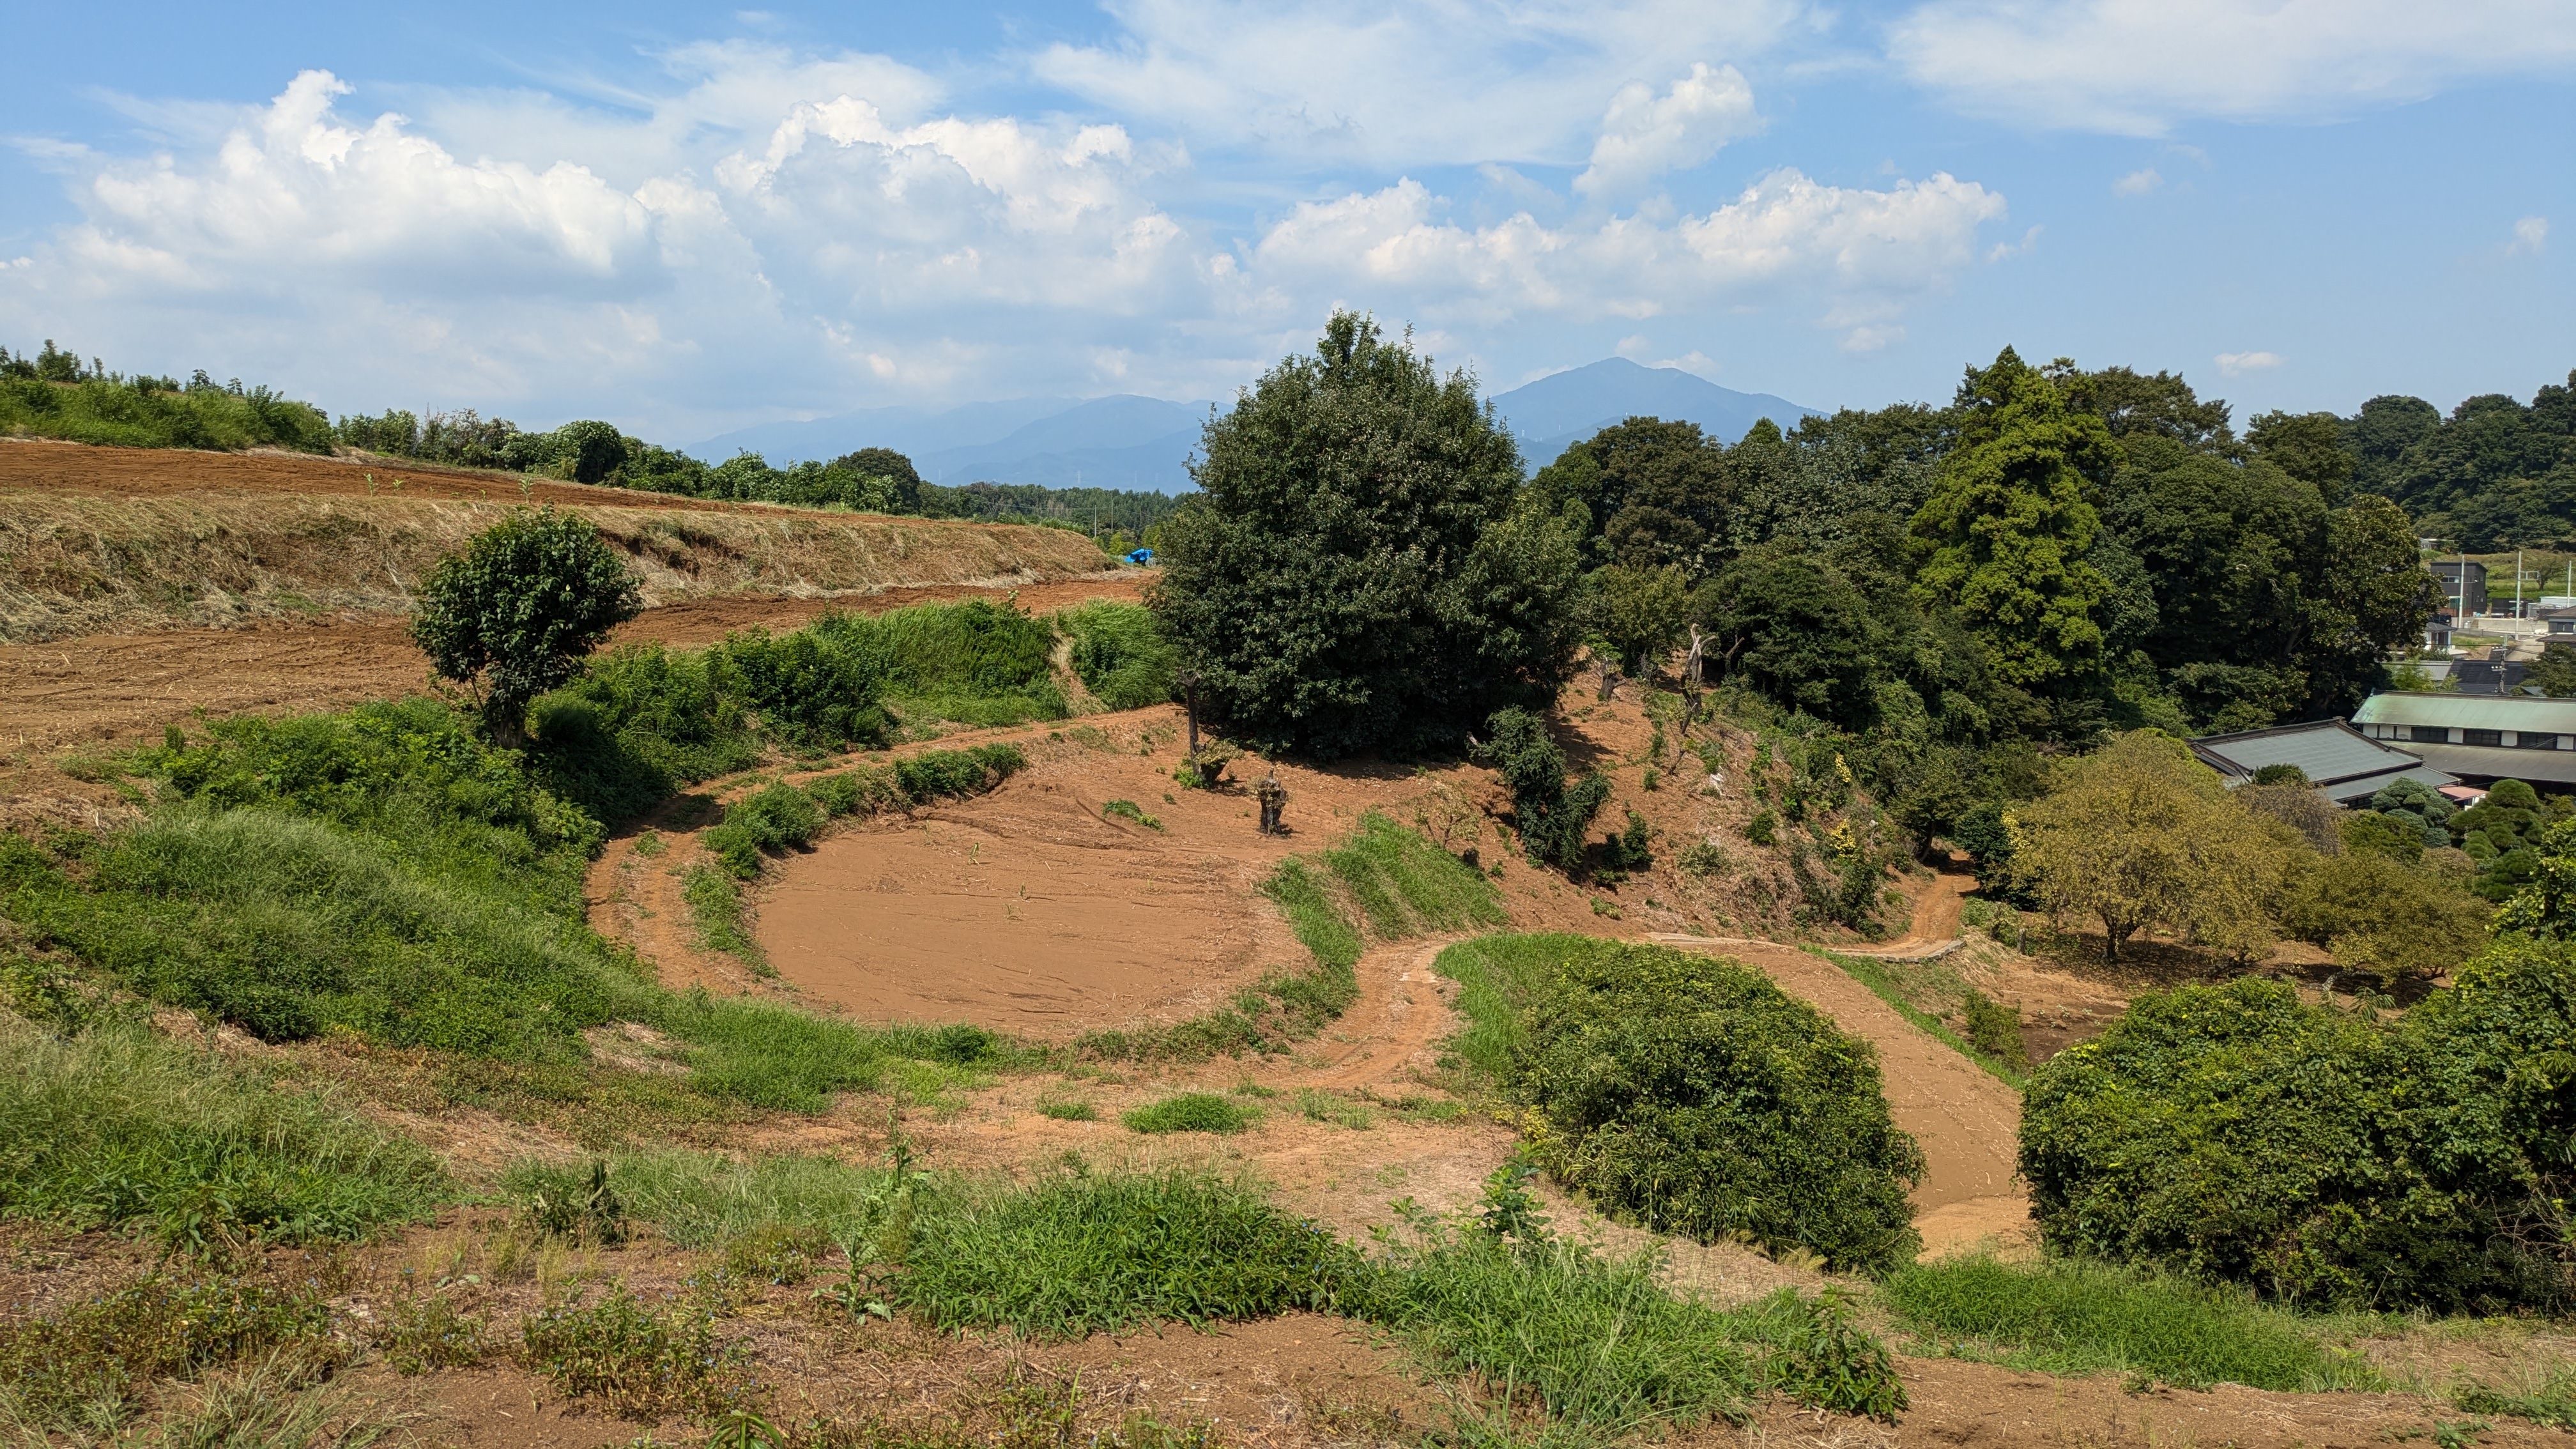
[2529, 235]
[1645, 135]
[2137, 67]
[2236, 364]
[1400, 82]
[2138, 183]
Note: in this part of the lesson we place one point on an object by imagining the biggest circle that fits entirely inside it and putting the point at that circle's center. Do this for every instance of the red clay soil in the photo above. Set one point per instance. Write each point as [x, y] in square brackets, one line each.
[1030, 911]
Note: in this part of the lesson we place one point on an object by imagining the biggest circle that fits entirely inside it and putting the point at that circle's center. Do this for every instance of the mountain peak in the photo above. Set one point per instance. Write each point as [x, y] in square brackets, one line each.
[1562, 409]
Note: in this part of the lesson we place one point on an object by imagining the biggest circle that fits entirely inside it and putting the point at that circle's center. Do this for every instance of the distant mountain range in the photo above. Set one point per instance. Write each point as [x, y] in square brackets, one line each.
[1145, 443]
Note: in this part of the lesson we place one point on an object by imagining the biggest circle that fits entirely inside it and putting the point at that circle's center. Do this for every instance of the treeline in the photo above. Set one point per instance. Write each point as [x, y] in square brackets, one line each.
[2493, 475]
[2057, 555]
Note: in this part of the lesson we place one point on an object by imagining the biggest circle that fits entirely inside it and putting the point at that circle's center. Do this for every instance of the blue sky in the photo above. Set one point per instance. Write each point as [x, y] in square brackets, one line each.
[686, 220]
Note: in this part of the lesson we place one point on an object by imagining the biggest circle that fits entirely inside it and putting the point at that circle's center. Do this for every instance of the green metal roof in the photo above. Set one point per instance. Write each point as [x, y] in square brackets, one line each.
[2471, 712]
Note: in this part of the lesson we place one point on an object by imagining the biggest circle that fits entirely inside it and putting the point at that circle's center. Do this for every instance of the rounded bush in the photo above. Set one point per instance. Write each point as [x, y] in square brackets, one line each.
[1695, 1095]
[2320, 1155]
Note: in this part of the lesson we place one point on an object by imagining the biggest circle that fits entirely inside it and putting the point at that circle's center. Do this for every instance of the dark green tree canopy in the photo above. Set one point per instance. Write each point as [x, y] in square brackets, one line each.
[2493, 475]
[2004, 537]
[518, 611]
[1361, 570]
[1656, 493]
[886, 463]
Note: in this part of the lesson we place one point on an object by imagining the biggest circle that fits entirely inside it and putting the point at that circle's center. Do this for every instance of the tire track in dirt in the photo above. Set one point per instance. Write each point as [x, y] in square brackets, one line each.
[1396, 1026]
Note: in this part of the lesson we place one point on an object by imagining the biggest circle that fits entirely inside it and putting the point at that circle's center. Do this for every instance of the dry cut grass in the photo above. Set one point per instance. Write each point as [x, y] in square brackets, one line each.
[72, 565]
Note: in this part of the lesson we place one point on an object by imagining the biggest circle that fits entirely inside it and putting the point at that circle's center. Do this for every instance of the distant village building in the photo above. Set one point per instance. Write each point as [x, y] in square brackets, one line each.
[2474, 599]
[2342, 763]
[2478, 738]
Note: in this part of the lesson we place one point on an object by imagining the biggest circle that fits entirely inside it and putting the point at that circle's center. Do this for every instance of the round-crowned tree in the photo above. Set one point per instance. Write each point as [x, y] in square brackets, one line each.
[515, 614]
[1362, 570]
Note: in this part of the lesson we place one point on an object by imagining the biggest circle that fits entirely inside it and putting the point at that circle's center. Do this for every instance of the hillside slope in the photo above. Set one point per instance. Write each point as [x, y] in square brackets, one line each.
[98, 540]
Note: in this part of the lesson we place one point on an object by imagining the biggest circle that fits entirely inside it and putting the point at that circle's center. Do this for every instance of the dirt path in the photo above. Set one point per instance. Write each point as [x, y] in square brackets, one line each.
[1395, 1028]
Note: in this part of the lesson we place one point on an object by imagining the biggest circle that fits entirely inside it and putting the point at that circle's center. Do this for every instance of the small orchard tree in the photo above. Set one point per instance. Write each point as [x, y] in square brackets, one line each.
[515, 614]
[2140, 834]
[1551, 813]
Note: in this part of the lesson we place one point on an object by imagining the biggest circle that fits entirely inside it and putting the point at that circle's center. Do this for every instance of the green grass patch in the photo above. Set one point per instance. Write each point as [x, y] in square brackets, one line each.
[91, 1365]
[1384, 878]
[1120, 654]
[118, 1128]
[640, 1360]
[1129, 810]
[1405, 886]
[1077, 1255]
[2551, 1402]
[1995, 1059]
[708, 1199]
[2076, 1318]
[1069, 1110]
[1190, 1112]
[714, 899]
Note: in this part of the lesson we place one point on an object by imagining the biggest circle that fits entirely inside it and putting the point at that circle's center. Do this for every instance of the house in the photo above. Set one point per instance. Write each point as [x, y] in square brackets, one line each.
[2490, 675]
[2474, 601]
[2345, 765]
[2479, 738]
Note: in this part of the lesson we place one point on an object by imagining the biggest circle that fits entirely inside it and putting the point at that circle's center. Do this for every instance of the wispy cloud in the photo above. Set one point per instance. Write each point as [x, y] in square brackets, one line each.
[2138, 183]
[2237, 364]
[2139, 69]
[2529, 235]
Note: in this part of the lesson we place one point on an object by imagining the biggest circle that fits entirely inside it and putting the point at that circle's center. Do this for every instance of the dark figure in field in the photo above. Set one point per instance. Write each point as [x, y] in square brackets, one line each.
[1274, 803]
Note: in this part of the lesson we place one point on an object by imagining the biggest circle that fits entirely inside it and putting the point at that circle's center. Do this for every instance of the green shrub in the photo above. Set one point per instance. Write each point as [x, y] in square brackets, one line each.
[771, 821]
[149, 412]
[2323, 1156]
[1080, 1255]
[1120, 654]
[424, 1332]
[120, 1128]
[1189, 1112]
[976, 662]
[1694, 1095]
[640, 723]
[1550, 814]
[1994, 1029]
[807, 691]
[2070, 1317]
